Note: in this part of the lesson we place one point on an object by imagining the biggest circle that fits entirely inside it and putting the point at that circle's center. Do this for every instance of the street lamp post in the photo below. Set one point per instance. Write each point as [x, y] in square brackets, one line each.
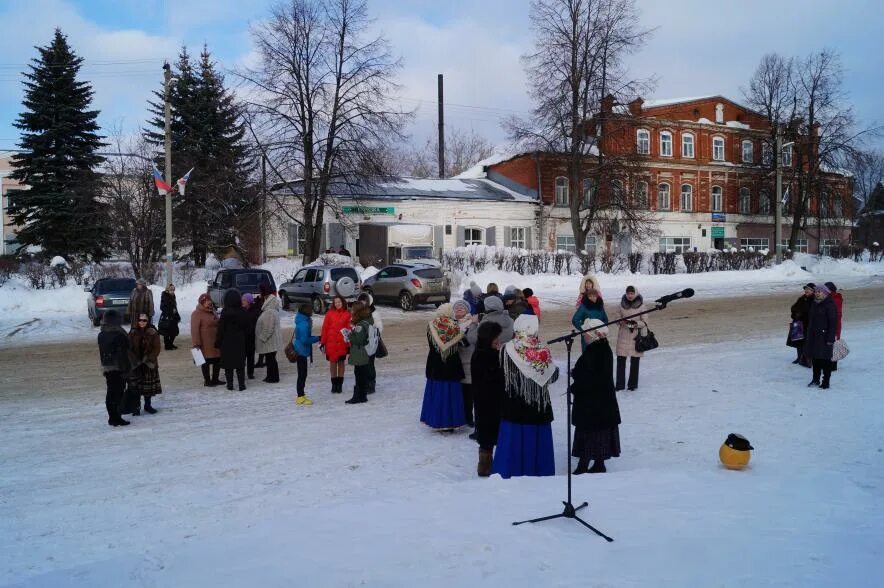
[167, 83]
[778, 207]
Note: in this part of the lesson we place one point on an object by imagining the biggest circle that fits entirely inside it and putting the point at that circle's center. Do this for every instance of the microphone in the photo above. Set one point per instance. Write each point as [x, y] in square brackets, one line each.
[686, 293]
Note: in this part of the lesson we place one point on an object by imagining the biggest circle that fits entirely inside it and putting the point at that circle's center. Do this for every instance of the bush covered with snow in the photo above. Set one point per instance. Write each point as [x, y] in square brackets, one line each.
[478, 258]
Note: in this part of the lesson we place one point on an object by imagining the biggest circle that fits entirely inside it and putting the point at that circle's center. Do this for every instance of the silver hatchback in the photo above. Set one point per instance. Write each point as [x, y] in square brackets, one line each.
[408, 285]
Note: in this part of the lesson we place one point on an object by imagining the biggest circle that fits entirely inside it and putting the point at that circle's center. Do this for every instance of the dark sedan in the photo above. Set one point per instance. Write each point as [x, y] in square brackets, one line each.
[109, 294]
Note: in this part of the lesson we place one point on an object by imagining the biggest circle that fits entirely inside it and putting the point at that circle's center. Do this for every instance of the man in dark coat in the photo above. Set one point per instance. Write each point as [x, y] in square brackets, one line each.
[801, 312]
[820, 336]
[231, 339]
[113, 348]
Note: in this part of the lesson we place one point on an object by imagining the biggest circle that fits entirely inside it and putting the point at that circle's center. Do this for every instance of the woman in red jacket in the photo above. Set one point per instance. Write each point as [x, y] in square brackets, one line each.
[333, 343]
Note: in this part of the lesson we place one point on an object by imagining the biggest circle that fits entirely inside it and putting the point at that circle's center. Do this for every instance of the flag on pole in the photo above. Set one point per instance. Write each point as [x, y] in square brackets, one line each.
[161, 184]
[182, 182]
[785, 196]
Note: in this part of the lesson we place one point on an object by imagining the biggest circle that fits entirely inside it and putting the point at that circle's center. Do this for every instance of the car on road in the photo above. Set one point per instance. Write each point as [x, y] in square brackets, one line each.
[317, 285]
[109, 294]
[409, 284]
[244, 280]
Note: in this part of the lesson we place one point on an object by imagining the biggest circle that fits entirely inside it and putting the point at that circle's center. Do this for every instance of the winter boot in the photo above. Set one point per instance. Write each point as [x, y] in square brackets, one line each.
[147, 406]
[485, 461]
[598, 467]
[117, 421]
[582, 466]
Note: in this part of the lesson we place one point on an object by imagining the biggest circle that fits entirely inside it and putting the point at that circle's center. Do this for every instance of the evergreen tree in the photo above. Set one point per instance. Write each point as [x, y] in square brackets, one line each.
[60, 212]
[208, 136]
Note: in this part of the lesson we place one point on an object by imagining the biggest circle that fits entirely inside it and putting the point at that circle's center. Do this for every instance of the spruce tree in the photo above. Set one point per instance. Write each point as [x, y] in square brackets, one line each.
[60, 212]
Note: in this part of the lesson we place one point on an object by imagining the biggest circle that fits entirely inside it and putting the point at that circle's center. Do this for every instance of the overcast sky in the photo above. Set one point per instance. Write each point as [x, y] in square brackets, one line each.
[698, 48]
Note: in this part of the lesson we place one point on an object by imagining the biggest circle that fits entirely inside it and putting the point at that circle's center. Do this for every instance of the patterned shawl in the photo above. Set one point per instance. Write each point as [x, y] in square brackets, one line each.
[529, 367]
[445, 333]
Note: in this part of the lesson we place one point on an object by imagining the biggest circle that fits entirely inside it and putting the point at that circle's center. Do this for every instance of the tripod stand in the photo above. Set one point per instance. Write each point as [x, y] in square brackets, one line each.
[570, 511]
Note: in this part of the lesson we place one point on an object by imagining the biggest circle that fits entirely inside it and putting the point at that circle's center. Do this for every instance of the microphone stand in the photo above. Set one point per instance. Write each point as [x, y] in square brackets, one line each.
[570, 511]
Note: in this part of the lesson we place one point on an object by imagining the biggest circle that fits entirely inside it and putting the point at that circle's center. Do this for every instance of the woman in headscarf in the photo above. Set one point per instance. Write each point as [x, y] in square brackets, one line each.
[631, 303]
[144, 349]
[595, 415]
[443, 395]
[822, 328]
[140, 301]
[524, 444]
[169, 317]
[469, 327]
[590, 305]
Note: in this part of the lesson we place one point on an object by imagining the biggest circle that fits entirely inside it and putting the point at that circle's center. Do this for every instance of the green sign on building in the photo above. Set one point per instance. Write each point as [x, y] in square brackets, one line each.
[368, 210]
[718, 232]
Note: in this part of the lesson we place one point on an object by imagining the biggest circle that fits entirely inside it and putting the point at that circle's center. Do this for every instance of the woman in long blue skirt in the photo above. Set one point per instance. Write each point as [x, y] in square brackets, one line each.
[443, 398]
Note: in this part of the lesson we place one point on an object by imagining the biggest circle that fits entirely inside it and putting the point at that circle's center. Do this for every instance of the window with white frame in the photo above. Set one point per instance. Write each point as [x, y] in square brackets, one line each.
[643, 141]
[561, 191]
[800, 245]
[766, 153]
[666, 144]
[641, 195]
[566, 243]
[588, 192]
[472, 236]
[718, 148]
[687, 145]
[717, 199]
[517, 237]
[675, 244]
[663, 201]
[748, 151]
[787, 156]
[764, 202]
[687, 198]
[297, 238]
[826, 246]
[745, 200]
[754, 244]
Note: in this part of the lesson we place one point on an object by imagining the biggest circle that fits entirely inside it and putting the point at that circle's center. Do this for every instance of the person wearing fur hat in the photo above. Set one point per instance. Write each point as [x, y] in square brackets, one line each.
[442, 407]
[253, 313]
[595, 414]
[495, 313]
[838, 299]
[113, 348]
[469, 326]
[489, 384]
[630, 303]
[169, 317]
[819, 338]
[589, 282]
[800, 311]
[140, 301]
[231, 338]
[524, 443]
[267, 331]
[591, 305]
[144, 351]
[203, 333]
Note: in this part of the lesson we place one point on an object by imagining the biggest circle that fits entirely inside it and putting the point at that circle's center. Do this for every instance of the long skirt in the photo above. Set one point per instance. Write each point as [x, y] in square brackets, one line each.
[443, 405]
[597, 443]
[524, 450]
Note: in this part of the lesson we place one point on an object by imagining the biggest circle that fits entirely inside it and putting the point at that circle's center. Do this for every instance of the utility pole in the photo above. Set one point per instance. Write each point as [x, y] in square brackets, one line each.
[441, 130]
[778, 205]
[263, 221]
[167, 86]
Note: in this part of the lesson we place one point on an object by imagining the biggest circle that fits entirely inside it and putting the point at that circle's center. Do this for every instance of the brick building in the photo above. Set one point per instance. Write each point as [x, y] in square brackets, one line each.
[702, 165]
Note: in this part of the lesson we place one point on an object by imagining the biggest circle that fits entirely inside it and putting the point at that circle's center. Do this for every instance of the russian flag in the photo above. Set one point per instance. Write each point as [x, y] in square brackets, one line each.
[161, 184]
[182, 182]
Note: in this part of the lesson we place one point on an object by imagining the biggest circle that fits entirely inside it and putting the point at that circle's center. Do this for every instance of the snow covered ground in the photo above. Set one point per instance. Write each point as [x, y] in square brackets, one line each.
[34, 316]
[246, 489]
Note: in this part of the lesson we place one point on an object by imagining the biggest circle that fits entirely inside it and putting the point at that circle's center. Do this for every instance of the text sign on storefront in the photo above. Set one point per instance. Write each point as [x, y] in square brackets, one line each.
[369, 210]
[719, 217]
[718, 232]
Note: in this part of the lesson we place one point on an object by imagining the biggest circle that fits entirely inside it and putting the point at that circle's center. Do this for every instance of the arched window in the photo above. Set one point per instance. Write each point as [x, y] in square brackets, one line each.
[665, 144]
[745, 200]
[562, 191]
[718, 148]
[748, 151]
[687, 198]
[643, 141]
[764, 202]
[641, 195]
[687, 145]
[663, 202]
[719, 113]
[717, 199]
[588, 192]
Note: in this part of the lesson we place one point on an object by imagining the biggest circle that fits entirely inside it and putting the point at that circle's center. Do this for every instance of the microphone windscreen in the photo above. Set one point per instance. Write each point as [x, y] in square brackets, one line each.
[687, 292]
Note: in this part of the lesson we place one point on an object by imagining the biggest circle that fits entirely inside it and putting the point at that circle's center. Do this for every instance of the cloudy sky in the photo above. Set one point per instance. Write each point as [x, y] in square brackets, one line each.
[699, 47]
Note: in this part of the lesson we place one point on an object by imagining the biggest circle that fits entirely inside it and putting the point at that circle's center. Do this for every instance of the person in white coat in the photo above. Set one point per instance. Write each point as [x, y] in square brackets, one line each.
[267, 332]
[630, 303]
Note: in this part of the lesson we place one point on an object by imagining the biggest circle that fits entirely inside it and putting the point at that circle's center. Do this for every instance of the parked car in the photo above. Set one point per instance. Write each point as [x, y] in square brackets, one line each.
[408, 285]
[244, 280]
[109, 294]
[319, 284]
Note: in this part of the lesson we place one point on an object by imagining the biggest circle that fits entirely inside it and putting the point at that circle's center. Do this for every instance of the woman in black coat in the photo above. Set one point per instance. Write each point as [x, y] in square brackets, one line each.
[595, 415]
[801, 312]
[169, 317]
[252, 307]
[819, 338]
[231, 339]
[489, 385]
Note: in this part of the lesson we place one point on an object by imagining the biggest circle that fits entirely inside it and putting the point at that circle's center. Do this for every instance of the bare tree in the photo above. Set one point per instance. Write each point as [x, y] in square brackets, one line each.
[320, 108]
[576, 74]
[135, 207]
[867, 168]
[463, 150]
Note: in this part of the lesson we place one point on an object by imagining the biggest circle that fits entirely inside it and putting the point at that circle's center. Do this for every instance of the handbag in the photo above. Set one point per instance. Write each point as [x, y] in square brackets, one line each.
[645, 342]
[289, 350]
[381, 353]
[840, 350]
[796, 331]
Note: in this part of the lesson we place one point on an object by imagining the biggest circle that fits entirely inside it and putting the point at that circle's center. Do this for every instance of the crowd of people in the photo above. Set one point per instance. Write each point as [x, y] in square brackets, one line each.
[814, 328]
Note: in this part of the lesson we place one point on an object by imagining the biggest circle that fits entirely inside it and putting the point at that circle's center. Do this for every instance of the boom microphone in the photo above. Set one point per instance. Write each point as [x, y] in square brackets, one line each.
[686, 293]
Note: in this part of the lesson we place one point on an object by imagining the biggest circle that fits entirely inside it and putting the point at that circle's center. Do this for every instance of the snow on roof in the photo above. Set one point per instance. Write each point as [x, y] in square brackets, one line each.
[669, 101]
[734, 124]
[477, 172]
[417, 188]
[836, 170]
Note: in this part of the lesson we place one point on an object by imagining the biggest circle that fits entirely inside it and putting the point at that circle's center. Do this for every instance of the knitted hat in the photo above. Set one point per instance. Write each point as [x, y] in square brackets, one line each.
[526, 323]
[831, 286]
[475, 289]
[248, 298]
[810, 285]
[461, 304]
[823, 289]
[493, 303]
[112, 318]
